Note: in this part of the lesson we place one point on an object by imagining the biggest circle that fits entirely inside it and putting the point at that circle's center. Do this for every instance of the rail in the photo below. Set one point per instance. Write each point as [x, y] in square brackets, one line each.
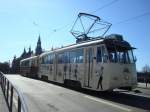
[8, 90]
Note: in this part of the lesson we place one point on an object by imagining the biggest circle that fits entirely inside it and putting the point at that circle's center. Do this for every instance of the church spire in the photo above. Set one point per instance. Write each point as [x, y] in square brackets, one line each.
[38, 49]
[29, 49]
[39, 40]
[24, 51]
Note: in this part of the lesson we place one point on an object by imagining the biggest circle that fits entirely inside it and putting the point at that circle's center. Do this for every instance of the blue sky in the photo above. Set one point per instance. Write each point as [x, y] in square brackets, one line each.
[21, 21]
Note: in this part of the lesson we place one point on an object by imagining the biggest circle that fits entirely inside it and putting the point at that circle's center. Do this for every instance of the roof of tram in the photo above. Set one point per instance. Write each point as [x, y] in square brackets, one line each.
[110, 40]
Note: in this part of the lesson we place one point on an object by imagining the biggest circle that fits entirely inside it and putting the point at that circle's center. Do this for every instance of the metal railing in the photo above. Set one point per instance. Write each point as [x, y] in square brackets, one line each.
[8, 90]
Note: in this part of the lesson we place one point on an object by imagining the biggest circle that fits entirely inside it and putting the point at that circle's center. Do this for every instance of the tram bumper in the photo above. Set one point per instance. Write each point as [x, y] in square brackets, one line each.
[129, 86]
[123, 76]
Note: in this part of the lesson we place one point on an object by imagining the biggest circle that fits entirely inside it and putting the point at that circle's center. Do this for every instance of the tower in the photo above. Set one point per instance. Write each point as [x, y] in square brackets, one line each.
[38, 49]
[30, 49]
[30, 52]
[23, 55]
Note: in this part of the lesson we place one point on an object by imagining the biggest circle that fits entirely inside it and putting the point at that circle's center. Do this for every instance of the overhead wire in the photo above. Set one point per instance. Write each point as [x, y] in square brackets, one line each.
[104, 6]
[60, 28]
[133, 18]
[98, 9]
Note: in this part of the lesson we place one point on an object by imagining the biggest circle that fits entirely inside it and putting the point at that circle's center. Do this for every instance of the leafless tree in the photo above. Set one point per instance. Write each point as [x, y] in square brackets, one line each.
[146, 71]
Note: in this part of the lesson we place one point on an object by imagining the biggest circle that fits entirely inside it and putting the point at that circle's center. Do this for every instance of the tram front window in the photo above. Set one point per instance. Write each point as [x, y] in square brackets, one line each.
[120, 55]
[101, 54]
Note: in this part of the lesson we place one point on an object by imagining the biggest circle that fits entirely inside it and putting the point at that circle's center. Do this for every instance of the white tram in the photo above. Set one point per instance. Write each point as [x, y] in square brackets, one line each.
[102, 64]
[29, 66]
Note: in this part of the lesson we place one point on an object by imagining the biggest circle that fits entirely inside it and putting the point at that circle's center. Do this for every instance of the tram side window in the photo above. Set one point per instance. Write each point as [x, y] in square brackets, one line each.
[99, 54]
[66, 57]
[130, 53]
[104, 55]
[59, 58]
[42, 60]
[63, 57]
[32, 62]
[50, 59]
[21, 64]
[76, 56]
[46, 60]
[79, 56]
[25, 63]
[72, 57]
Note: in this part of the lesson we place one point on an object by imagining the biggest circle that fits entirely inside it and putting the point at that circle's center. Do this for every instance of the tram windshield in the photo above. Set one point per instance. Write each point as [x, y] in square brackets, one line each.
[119, 54]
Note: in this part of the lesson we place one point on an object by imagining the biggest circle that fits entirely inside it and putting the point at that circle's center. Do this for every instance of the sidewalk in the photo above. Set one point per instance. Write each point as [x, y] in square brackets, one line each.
[3, 105]
[143, 85]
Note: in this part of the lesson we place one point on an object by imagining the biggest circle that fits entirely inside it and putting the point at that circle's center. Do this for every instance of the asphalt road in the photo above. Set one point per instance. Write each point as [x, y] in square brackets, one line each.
[46, 97]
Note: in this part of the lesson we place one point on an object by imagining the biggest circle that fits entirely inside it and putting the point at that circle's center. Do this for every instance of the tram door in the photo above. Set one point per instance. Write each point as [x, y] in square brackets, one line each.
[89, 64]
[55, 67]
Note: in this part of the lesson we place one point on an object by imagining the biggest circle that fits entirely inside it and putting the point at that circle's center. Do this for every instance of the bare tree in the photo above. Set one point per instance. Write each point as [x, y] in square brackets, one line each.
[146, 71]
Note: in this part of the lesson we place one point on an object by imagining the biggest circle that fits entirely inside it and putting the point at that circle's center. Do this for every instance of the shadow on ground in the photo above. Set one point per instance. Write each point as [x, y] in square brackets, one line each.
[118, 96]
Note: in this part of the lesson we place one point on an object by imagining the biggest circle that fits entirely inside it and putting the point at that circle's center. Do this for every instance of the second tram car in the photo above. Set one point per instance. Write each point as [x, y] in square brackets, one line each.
[102, 64]
[29, 67]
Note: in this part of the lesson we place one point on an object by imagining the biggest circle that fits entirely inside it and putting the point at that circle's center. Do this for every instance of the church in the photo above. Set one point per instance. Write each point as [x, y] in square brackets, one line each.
[26, 54]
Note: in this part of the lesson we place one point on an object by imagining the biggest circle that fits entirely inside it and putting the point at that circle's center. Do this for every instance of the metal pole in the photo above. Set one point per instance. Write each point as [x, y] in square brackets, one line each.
[2, 81]
[19, 105]
[4, 86]
[7, 91]
[11, 99]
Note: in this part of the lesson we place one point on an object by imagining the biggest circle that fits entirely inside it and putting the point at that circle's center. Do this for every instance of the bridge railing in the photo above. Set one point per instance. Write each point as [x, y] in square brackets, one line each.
[9, 91]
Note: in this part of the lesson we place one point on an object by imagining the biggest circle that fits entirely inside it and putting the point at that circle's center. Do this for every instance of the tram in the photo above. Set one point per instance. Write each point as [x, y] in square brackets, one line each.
[95, 62]
[100, 65]
[29, 66]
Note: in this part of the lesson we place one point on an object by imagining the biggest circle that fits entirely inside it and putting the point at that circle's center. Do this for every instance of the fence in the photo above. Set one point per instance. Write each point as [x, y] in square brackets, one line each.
[9, 91]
